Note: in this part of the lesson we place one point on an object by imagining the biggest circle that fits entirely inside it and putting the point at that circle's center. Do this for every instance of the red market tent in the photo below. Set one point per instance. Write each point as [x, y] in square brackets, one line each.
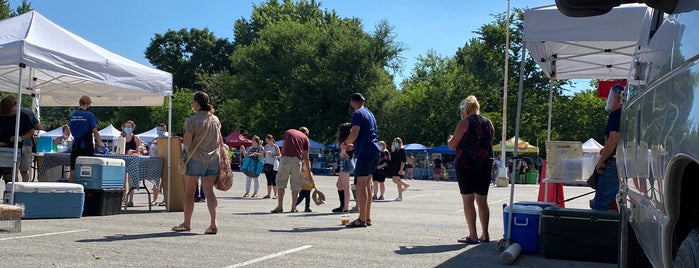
[235, 139]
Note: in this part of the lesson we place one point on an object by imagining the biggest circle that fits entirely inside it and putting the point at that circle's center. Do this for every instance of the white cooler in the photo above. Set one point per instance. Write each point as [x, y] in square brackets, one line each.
[100, 172]
[47, 199]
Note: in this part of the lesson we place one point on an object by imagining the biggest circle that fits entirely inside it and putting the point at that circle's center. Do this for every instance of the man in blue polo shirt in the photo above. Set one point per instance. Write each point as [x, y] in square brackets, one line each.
[363, 139]
[83, 124]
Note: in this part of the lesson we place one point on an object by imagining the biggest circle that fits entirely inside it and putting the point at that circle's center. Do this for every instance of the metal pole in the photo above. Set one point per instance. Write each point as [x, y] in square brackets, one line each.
[548, 132]
[169, 154]
[14, 155]
[503, 153]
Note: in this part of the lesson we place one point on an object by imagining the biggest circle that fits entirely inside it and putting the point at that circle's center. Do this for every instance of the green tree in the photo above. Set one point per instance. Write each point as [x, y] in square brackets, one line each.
[190, 55]
[296, 64]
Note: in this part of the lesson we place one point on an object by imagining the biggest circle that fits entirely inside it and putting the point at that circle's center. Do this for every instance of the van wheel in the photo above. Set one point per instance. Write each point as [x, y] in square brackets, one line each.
[688, 253]
[636, 257]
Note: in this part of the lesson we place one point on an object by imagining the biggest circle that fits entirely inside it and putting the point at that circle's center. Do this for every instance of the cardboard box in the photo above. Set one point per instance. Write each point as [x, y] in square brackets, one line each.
[556, 153]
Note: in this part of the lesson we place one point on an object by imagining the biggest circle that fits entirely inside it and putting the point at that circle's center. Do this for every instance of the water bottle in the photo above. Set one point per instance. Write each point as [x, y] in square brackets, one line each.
[105, 150]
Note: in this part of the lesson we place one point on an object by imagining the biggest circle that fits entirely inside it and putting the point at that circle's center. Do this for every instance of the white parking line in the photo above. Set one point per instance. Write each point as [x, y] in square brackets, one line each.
[39, 235]
[270, 256]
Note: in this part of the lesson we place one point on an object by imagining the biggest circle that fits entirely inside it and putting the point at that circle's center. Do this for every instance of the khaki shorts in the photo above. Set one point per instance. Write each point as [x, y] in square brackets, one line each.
[289, 171]
[25, 162]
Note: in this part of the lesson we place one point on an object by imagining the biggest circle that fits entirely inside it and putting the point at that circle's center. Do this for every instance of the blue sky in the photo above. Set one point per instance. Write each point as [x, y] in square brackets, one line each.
[126, 27]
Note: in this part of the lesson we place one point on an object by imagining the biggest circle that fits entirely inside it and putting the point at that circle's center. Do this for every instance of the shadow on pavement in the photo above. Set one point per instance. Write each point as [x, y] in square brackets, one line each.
[308, 230]
[407, 250]
[122, 237]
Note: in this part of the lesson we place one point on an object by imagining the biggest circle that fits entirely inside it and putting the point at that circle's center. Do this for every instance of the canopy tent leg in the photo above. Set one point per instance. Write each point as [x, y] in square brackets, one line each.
[518, 120]
[169, 152]
[548, 132]
[14, 156]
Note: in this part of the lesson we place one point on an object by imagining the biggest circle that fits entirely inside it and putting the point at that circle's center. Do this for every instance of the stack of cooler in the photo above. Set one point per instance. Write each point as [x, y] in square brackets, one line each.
[525, 224]
[103, 179]
[580, 234]
[47, 200]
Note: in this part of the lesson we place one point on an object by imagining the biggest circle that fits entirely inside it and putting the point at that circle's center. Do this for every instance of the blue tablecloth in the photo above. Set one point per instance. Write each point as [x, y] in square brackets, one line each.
[140, 168]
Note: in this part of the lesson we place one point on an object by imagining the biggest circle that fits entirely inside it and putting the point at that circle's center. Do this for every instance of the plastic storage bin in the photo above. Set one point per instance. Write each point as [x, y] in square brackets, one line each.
[580, 234]
[102, 202]
[100, 172]
[525, 226]
[44, 144]
[531, 177]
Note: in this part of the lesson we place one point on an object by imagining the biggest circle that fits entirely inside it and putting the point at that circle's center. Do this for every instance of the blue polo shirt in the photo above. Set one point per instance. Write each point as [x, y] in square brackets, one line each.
[81, 123]
[367, 142]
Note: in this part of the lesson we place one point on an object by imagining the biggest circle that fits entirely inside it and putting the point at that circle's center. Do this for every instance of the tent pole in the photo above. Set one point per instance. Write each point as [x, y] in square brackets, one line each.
[515, 150]
[169, 153]
[548, 132]
[503, 159]
[14, 156]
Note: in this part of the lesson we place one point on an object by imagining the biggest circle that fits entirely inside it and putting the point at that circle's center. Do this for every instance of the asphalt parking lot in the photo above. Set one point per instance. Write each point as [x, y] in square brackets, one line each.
[420, 231]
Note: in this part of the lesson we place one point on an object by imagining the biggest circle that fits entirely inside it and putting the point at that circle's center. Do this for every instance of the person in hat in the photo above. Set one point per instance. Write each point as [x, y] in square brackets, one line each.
[608, 182]
[83, 125]
[363, 139]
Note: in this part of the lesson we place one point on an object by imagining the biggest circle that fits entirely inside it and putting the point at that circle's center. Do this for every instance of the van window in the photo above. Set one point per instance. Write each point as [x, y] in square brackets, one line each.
[656, 22]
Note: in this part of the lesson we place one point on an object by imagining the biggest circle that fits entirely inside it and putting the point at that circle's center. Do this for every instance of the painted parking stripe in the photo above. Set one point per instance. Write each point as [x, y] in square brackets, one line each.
[253, 261]
[40, 235]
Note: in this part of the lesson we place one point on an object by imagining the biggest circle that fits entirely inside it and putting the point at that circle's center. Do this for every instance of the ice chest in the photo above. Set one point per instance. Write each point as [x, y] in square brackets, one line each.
[100, 172]
[525, 226]
[580, 234]
[102, 202]
[47, 199]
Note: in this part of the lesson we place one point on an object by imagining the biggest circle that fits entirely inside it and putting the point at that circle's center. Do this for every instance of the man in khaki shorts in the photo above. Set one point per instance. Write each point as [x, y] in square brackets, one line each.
[294, 150]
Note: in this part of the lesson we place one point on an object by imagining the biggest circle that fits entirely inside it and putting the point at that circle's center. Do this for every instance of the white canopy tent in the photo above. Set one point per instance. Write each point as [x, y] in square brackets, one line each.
[149, 135]
[39, 57]
[109, 133]
[591, 146]
[599, 47]
[62, 66]
[56, 132]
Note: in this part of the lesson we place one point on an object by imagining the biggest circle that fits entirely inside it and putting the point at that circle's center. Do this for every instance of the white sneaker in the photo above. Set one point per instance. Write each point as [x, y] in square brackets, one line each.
[397, 199]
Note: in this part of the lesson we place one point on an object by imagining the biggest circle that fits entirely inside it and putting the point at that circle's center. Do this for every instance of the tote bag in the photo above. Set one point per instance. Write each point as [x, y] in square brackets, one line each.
[252, 166]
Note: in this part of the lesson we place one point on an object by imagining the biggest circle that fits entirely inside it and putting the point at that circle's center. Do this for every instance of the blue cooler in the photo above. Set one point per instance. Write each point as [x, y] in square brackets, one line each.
[44, 144]
[100, 172]
[525, 226]
[46, 200]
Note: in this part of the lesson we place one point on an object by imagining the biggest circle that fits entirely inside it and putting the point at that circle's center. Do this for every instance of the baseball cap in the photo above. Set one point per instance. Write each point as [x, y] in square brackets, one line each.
[355, 97]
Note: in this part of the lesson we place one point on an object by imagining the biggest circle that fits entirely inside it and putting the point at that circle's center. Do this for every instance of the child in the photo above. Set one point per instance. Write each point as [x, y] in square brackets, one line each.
[307, 184]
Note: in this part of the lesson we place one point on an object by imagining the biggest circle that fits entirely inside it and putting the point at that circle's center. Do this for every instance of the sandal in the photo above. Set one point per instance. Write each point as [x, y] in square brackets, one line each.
[293, 210]
[368, 222]
[277, 210]
[162, 204]
[180, 228]
[356, 223]
[467, 240]
[484, 240]
[211, 230]
[253, 195]
[129, 204]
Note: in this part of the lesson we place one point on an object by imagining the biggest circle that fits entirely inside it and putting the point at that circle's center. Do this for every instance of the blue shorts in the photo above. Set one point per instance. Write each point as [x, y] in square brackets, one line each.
[200, 169]
[347, 165]
[366, 165]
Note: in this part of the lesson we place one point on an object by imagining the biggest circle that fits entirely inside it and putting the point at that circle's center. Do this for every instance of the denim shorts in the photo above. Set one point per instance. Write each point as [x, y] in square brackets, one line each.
[347, 165]
[202, 169]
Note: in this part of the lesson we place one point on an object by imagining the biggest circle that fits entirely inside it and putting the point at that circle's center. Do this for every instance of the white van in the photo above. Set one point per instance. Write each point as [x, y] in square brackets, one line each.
[658, 152]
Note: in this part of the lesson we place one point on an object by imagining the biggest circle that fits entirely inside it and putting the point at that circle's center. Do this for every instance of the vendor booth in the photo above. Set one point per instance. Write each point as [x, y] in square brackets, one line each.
[574, 48]
[39, 58]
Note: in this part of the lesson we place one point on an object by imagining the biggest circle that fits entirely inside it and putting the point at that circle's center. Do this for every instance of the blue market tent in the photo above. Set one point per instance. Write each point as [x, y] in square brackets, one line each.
[313, 144]
[442, 149]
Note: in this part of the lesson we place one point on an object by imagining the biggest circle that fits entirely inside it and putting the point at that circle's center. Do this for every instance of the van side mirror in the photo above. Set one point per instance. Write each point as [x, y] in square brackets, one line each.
[589, 8]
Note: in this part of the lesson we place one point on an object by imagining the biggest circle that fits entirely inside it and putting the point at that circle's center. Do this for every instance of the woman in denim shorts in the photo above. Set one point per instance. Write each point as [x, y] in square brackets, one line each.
[346, 168]
[202, 136]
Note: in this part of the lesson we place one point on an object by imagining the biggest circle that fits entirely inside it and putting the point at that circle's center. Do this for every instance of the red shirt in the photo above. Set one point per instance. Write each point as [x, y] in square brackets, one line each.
[295, 143]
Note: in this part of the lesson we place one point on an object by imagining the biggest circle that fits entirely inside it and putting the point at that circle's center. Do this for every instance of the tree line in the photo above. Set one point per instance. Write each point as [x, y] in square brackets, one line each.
[294, 63]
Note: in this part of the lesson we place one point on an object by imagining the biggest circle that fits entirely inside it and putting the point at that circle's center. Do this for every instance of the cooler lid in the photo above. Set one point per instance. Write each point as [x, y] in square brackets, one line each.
[45, 187]
[522, 209]
[103, 161]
